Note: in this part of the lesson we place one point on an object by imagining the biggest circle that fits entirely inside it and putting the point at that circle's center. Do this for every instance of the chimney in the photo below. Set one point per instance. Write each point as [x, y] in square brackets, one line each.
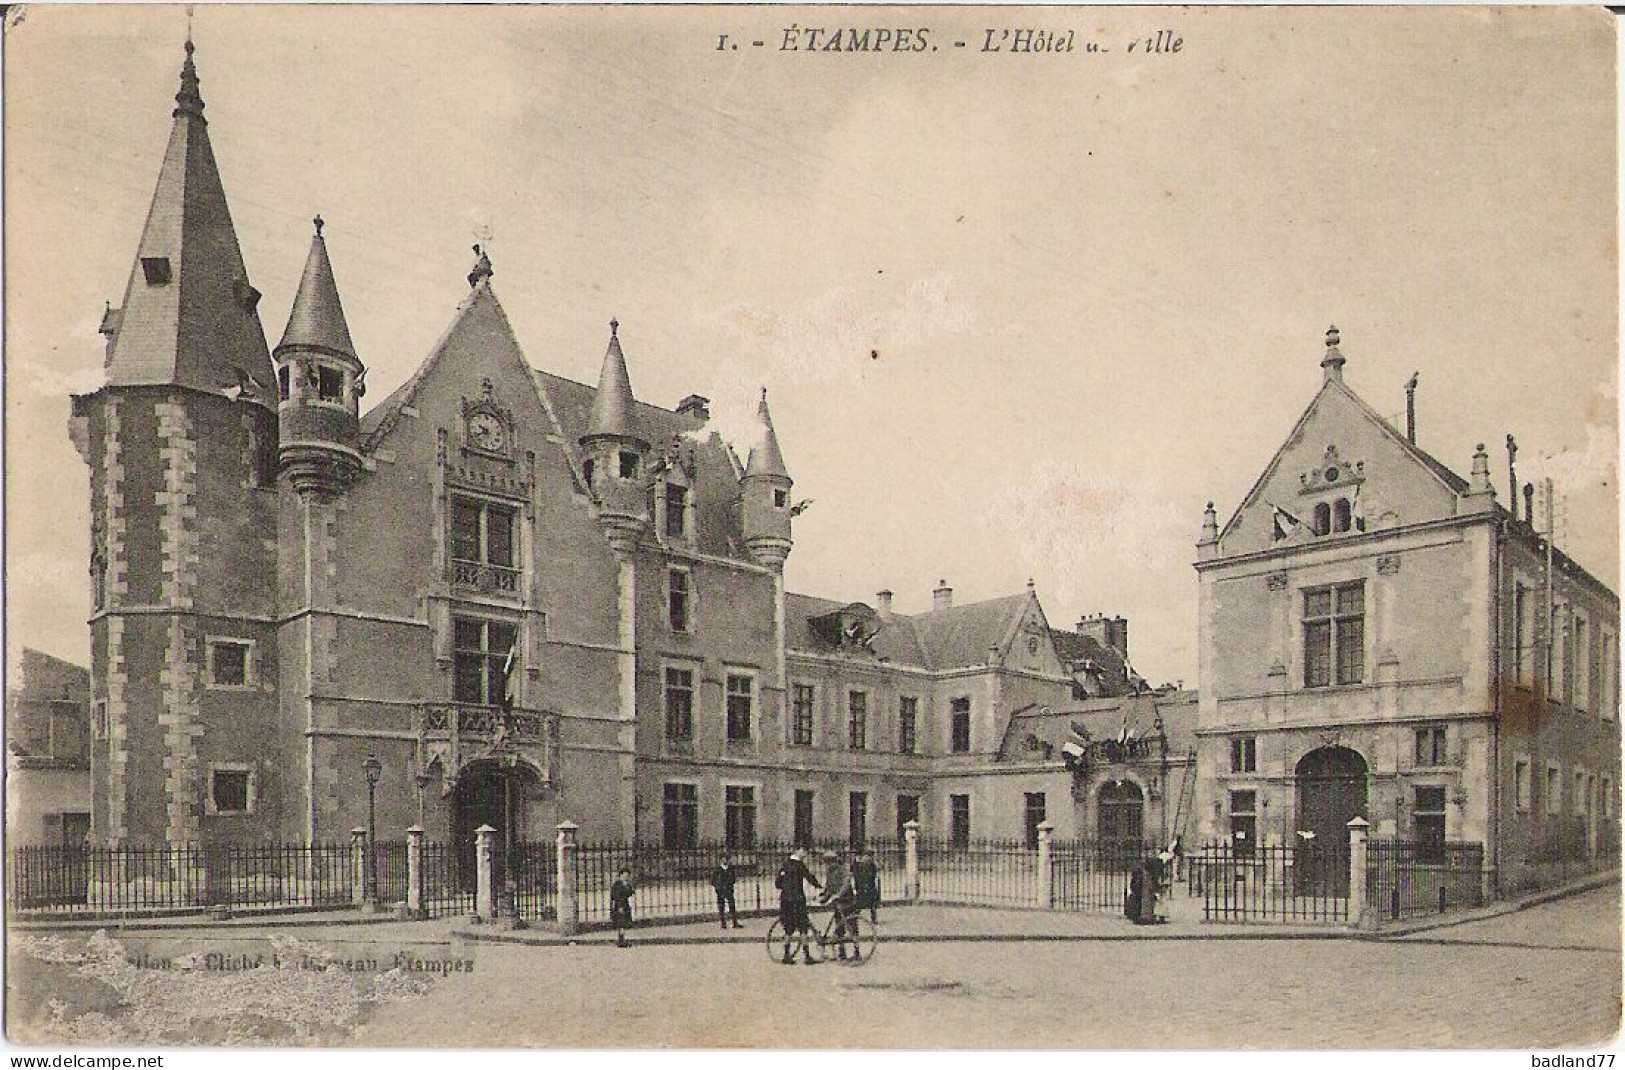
[943, 596]
[695, 408]
[1528, 504]
[1117, 635]
[1410, 407]
[883, 604]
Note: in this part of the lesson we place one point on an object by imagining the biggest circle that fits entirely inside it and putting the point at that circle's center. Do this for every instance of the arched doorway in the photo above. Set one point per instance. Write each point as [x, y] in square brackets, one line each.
[490, 793]
[1332, 791]
[1120, 818]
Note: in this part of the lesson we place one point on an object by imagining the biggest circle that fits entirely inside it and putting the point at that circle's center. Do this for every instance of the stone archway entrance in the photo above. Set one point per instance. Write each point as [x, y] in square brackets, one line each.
[1332, 785]
[1120, 816]
[490, 793]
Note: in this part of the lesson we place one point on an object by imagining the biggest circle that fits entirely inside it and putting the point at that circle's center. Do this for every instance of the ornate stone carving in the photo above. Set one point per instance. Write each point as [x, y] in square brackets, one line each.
[1277, 581]
[1387, 564]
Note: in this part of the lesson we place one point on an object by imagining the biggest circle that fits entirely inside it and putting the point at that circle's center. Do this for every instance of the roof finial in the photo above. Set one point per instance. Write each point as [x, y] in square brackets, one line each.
[189, 101]
[319, 224]
[1333, 360]
[764, 395]
[482, 267]
[614, 327]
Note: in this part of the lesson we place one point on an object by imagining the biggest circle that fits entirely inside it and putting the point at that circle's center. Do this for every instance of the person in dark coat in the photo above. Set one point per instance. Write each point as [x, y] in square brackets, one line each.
[1143, 892]
[1136, 891]
[791, 882]
[620, 905]
[866, 876]
[722, 882]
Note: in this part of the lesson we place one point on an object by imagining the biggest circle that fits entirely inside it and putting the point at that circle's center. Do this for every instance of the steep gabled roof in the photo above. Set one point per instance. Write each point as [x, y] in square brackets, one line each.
[189, 315]
[942, 639]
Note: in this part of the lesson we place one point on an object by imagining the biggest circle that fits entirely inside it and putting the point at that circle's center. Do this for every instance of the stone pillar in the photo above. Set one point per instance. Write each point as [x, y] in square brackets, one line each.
[1046, 877]
[569, 911]
[911, 860]
[358, 869]
[414, 873]
[1359, 829]
[485, 906]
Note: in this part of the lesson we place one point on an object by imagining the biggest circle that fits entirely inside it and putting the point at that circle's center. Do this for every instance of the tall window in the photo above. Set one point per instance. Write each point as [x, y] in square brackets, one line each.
[480, 650]
[1607, 799]
[1554, 789]
[802, 706]
[1322, 522]
[1334, 635]
[908, 711]
[1342, 515]
[1556, 665]
[908, 809]
[959, 820]
[1523, 635]
[739, 707]
[100, 723]
[1430, 745]
[857, 818]
[1429, 824]
[329, 384]
[1244, 754]
[1582, 664]
[677, 599]
[1607, 701]
[1032, 815]
[739, 816]
[857, 720]
[680, 816]
[1521, 785]
[482, 532]
[1243, 822]
[676, 511]
[282, 383]
[959, 717]
[98, 581]
[1579, 801]
[679, 704]
[804, 817]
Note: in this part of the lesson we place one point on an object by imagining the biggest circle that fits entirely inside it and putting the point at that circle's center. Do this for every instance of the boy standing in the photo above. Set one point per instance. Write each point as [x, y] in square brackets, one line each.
[620, 905]
[866, 875]
[722, 882]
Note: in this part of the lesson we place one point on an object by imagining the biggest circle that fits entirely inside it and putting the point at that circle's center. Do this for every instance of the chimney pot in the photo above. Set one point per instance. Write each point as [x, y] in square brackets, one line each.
[943, 596]
[695, 406]
[883, 603]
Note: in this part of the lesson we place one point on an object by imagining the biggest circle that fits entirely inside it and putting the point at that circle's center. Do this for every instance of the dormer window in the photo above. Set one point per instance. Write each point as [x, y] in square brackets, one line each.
[1341, 515]
[629, 465]
[676, 511]
[1322, 523]
[156, 269]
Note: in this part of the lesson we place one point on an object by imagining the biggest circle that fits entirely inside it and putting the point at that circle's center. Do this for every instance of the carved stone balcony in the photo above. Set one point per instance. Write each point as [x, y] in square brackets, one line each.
[487, 579]
[458, 734]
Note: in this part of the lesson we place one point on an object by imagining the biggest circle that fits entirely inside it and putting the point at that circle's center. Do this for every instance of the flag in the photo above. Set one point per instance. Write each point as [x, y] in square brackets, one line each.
[509, 666]
[1286, 525]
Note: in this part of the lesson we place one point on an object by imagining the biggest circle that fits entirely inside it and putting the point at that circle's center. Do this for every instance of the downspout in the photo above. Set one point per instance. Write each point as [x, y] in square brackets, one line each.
[1498, 691]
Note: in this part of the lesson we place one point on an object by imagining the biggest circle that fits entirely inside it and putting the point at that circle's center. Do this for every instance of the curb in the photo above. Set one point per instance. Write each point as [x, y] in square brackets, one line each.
[161, 924]
[1503, 908]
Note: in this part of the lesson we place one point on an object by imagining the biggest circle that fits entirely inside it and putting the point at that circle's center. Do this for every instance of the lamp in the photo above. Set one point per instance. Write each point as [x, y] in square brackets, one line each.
[374, 771]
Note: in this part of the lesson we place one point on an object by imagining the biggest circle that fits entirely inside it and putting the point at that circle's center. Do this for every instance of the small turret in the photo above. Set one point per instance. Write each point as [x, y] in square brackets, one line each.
[319, 383]
[617, 456]
[766, 492]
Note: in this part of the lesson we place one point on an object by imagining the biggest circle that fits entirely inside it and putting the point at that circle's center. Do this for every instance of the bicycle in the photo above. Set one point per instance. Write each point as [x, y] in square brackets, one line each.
[855, 944]
[810, 942]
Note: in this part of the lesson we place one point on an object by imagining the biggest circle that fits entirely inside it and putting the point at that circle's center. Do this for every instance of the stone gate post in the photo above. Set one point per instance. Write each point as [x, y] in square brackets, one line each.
[911, 860]
[1359, 830]
[414, 872]
[569, 909]
[485, 901]
[1046, 876]
[358, 867]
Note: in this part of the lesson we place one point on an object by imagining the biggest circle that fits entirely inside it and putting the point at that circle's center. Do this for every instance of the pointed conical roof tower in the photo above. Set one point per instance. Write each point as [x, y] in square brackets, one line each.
[319, 381]
[765, 490]
[616, 454]
[190, 316]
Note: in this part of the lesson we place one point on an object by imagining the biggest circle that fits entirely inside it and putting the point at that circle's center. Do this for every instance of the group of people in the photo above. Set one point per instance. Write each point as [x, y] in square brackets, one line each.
[848, 889]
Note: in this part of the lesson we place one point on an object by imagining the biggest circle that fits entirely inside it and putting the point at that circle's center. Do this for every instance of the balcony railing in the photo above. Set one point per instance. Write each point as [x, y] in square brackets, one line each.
[483, 721]
[483, 577]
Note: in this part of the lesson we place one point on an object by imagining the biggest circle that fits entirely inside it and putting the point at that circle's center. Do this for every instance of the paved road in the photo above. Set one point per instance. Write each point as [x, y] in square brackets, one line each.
[1545, 977]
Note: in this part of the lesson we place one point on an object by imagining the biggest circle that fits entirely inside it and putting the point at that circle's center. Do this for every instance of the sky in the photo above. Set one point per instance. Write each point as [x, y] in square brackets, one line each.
[1019, 315]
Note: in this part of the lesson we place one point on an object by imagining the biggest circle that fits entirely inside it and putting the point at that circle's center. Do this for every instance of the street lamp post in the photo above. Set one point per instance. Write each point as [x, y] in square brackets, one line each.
[374, 770]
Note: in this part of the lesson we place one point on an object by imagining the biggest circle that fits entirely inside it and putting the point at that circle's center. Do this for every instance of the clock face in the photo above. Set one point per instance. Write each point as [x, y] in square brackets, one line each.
[486, 431]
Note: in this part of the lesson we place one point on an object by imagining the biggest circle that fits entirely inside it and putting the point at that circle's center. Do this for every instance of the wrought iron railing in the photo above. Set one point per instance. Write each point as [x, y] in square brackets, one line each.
[1407, 879]
[1093, 876]
[1273, 882]
[981, 872]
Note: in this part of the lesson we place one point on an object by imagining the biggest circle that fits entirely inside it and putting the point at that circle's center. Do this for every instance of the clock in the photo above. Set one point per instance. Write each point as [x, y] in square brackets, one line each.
[486, 432]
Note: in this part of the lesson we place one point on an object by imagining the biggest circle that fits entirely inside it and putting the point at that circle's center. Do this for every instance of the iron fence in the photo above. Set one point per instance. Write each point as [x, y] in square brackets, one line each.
[390, 858]
[978, 873]
[179, 876]
[1273, 882]
[1406, 878]
[1093, 876]
[448, 887]
[535, 880]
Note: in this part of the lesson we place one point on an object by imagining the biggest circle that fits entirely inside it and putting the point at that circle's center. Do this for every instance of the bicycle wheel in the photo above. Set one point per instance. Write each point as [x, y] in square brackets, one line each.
[845, 947]
[811, 942]
[775, 941]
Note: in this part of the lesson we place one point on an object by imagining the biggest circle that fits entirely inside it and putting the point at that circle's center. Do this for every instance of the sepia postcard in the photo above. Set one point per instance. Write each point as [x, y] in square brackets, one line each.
[532, 526]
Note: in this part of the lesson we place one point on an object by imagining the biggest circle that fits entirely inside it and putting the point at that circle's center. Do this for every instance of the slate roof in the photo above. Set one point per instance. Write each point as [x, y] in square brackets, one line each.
[1103, 718]
[941, 639]
[317, 319]
[1076, 651]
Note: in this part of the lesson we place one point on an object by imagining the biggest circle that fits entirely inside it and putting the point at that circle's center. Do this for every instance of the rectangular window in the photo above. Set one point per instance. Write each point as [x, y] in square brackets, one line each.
[482, 533]
[739, 707]
[676, 511]
[1582, 665]
[282, 379]
[1523, 636]
[1430, 745]
[229, 791]
[1557, 666]
[739, 828]
[480, 649]
[857, 818]
[781, 498]
[1554, 789]
[908, 711]
[98, 582]
[677, 600]
[679, 704]
[908, 809]
[1334, 635]
[857, 720]
[1521, 785]
[1579, 800]
[1243, 822]
[101, 720]
[1608, 675]
[802, 706]
[680, 816]
[804, 817]
[1607, 799]
[959, 716]
[1429, 813]
[1244, 754]
[228, 663]
[629, 465]
[959, 820]
[329, 384]
[1032, 815]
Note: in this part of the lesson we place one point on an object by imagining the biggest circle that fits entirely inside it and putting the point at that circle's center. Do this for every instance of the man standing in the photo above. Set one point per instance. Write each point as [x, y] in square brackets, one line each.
[866, 875]
[722, 882]
[793, 919]
[843, 895]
